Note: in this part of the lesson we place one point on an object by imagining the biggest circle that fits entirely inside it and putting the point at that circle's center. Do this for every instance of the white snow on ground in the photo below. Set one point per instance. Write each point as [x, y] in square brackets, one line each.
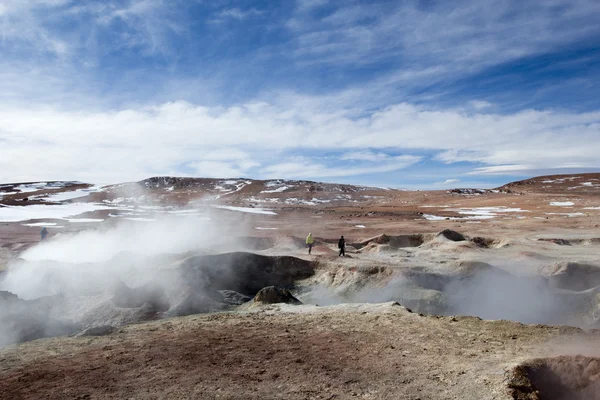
[434, 206]
[266, 200]
[591, 208]
[119, 200]
[487, 211]
[239, 185]
[32, 187]
[500, 209]
[140, 219]
[312, 202]
[477, 213]
[562, 203]
[151, 208]
[359, 226]
[2, 194]
[84, 220]
[41, 211]
[62, 196]
[41, 224]
[260, 228]
[122, 214]
[189, 211]
[247, 210]
[576, 214]
[430, 217]
[587, 184]
[274, 183]
[278, 190]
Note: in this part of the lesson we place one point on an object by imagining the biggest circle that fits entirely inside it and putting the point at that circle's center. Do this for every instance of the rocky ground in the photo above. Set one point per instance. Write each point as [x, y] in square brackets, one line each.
[292, 352]
[130, 281]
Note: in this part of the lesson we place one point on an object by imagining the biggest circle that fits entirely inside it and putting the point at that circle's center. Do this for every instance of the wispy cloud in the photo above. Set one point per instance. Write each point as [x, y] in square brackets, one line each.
[237, 13]
[132, 23]
[463, 37]
[448, 182]
[312, 169]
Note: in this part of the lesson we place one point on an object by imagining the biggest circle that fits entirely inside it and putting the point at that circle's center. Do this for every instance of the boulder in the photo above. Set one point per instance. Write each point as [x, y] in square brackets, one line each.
[572, 275]
[234, 298]
[273, 295]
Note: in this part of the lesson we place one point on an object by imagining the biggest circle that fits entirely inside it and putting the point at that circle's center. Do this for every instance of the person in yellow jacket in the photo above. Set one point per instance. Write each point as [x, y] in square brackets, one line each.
[309, 242]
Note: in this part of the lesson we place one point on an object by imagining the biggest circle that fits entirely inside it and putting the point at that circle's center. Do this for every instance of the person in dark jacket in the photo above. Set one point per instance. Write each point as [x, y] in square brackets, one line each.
[44, 233]
[342, 246]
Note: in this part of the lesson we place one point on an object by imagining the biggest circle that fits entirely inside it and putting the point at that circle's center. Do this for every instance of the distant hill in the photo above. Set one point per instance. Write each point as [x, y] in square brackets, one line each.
[588, 183]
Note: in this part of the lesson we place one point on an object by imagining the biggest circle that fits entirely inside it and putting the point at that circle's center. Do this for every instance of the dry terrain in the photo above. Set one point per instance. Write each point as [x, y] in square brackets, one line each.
[144, 290]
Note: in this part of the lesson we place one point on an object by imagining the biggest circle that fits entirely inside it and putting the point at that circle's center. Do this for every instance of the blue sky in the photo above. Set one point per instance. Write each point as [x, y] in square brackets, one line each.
[422, 94]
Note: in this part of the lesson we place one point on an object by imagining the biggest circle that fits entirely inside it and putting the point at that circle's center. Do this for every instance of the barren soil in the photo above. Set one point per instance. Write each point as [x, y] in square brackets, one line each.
[365, 351]
[541, 233]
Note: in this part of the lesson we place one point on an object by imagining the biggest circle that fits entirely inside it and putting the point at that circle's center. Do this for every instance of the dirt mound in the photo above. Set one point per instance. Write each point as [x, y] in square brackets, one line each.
[572, 242]
[394, 242]
[489, 243]
[451, 235]
[558, 378]
[389, 243]
[470, 268]
[24, 320]
[273, 295]
[245, 273]
[572, 275]
[427, 280]
[126, 297]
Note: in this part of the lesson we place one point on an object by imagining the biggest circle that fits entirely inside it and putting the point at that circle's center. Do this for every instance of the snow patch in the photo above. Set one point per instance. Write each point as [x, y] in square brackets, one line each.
[278, 190]
[562, 203]
[41, 224]
[576, 214]
[247, 210]
[42, 211]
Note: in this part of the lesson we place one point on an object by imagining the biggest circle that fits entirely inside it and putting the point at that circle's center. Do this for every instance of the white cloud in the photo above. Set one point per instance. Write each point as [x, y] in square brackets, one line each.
[237, 13]
[480, 104]
[474, 35]
[448, 182]
[309, 169]
[365, 155]
[257, 140]
[32, 25]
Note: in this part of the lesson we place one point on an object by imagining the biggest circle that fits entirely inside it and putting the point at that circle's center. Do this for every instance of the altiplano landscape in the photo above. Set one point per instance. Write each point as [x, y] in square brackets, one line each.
[183, 287]
[299, 200]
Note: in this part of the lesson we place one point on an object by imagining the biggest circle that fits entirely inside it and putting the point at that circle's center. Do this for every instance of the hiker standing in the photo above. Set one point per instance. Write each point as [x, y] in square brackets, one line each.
[44, 233]
[309, 242]
[342, 246]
